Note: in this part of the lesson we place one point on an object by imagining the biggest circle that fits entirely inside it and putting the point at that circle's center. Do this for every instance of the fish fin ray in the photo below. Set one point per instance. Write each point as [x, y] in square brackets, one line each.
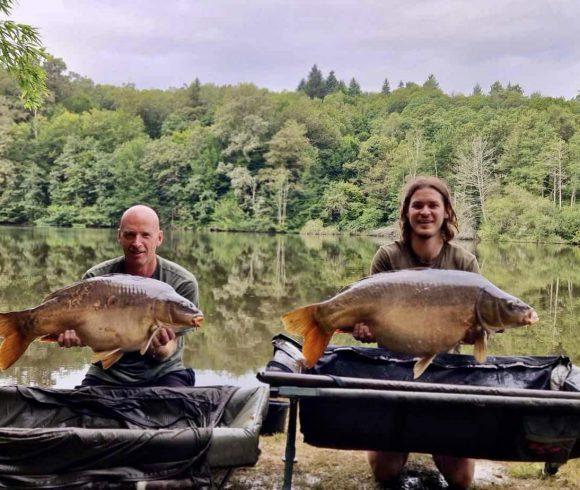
[302, 322]
[107, 358]
[421, 365]
[147, 343]
[480, 347]
[15, 341]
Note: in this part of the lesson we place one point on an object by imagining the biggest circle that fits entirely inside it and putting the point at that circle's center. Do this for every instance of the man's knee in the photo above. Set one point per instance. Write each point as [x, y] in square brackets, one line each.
[386, 465]
[458, 472]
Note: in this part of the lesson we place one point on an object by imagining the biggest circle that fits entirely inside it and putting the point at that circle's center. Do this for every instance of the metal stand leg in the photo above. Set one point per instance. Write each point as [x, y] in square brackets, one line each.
[551, 469]
[290, 444]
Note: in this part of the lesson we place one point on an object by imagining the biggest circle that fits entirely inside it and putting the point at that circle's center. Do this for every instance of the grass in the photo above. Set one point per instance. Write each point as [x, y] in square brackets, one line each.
[318, 468]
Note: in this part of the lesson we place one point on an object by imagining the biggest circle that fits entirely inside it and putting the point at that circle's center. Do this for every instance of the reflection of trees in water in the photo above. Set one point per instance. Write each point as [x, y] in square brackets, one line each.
[547, 278]
[247, 281]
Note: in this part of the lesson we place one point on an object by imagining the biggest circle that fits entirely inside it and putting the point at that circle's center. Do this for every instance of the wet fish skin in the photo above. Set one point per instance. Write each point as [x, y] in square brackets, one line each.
[417, 311]
[112, 314]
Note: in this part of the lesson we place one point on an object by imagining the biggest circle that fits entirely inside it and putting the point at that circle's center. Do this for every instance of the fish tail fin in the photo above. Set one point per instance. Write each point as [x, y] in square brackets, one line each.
[15, 341]
[302, 322]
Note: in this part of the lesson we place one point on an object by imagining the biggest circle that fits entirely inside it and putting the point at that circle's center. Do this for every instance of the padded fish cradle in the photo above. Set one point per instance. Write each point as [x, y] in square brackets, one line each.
[508, 409]
[106, 437]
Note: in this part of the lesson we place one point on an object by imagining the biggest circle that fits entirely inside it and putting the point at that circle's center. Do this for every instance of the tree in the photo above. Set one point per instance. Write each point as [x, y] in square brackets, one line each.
[354, 88]
[474, 174]
[386, 90]
[555, 159]
[315, 85]
[477, 90]
[194, 93]
[56, 81]
[496, 88]
[515, 88]
[431, 82]
[332, 84]
[401, 84]
[21, 54]
[290, 152]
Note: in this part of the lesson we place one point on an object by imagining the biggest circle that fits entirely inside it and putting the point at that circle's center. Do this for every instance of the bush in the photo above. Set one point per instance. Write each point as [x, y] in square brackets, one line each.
[520, 215]
[316, 227]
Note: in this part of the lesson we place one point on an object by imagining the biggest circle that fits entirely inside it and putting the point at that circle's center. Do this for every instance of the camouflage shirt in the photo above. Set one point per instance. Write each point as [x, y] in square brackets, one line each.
[133, 367]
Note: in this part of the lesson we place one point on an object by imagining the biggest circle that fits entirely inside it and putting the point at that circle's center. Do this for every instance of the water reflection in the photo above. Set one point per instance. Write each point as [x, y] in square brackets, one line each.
[248, 280]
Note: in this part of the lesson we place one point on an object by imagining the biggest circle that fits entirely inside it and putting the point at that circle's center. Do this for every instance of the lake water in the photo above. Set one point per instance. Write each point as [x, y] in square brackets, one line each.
[248, 280]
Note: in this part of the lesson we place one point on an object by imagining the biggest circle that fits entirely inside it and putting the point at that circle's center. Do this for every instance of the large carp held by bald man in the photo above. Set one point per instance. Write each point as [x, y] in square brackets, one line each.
[421, 312]
[112, 314]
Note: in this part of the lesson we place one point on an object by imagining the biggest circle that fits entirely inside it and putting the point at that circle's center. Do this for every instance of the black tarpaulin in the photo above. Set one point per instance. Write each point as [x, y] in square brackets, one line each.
[58, 438]
[511, 408]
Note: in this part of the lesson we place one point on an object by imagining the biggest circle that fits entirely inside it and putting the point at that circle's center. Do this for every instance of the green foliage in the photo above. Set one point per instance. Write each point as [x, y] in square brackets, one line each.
[21, 54]
[519, 215]
[244, 158]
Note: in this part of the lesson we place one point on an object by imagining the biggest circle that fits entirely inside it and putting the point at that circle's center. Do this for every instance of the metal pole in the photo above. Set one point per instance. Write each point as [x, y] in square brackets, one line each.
[290, 444]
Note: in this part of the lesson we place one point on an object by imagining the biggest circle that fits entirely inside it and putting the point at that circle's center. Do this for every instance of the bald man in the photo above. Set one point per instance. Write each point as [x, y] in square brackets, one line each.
[139, 235]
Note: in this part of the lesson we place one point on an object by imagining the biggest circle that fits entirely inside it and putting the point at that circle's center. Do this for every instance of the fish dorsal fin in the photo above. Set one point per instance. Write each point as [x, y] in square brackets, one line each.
[107, 358]
[147, 343]
[421, 365]
[480, 347]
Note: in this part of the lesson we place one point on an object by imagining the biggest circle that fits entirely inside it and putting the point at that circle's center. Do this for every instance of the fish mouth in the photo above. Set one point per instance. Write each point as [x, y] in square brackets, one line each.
[197, 321]
[531, 317]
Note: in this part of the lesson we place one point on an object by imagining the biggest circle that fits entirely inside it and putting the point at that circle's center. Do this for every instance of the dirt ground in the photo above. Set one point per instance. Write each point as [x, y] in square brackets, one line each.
[333, 469]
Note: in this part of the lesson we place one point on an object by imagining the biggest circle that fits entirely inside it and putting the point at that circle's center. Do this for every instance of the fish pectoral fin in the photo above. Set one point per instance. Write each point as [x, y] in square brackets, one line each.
[421, 365]
[107, 358]
[147, 343]
[480, 347]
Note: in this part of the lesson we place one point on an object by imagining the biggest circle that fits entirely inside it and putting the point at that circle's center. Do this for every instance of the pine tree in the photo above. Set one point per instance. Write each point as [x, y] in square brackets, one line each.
[315, 85]
[431, 82]
[515, 88]
[301, 86]
[401, 84]
[354, 88]
[332, 84]
[477, 89]
[496, 88]
[386, 87]
[194, 93]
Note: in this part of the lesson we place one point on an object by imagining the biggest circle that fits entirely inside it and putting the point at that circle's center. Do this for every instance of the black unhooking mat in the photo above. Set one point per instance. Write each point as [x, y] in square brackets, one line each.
[105, 436]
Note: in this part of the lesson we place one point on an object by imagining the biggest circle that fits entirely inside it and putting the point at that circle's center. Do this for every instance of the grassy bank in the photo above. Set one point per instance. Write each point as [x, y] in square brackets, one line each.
[332, 469]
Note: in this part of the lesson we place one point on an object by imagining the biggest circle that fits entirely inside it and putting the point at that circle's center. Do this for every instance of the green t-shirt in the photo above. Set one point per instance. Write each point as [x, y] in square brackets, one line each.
[133, 367]
[398, 256]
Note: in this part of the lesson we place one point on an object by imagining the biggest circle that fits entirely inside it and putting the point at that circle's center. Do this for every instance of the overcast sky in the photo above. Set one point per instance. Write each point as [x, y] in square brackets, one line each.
[274, 43]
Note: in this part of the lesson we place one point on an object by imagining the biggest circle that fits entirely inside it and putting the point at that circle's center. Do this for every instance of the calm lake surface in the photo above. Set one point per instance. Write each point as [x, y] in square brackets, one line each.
[248, 280]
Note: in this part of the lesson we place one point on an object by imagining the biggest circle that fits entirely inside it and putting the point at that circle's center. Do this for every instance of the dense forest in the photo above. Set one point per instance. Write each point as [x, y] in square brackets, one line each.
[325, 158]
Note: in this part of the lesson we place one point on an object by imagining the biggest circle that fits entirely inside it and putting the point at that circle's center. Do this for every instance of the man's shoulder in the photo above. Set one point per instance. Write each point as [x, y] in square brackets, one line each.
[462, 259]
[459, 251]
[107, 267]
[170, 268]
[393, 247]
[183, 281]
[393, 250]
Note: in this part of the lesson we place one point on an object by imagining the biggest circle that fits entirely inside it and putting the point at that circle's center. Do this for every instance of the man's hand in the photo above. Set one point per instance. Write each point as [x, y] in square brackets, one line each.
[362, 333]
[163, 344]
[69, 338]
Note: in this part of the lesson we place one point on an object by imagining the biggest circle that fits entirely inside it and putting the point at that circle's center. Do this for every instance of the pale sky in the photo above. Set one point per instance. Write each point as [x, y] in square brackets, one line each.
[274, 43]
